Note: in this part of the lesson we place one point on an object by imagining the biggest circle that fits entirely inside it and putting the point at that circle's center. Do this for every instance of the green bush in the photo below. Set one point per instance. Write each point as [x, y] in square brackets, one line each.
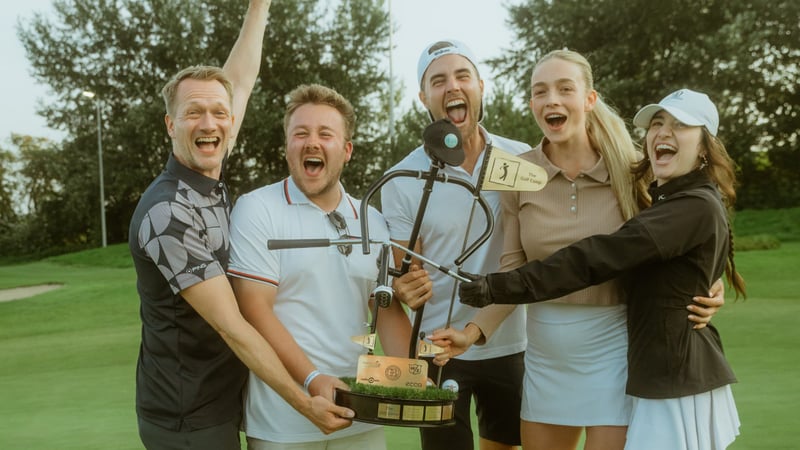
[756, 242]
[781, 223]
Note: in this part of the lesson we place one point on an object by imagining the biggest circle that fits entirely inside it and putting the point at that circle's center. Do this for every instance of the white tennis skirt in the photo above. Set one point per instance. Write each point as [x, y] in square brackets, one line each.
[576, 365]
[707, 421]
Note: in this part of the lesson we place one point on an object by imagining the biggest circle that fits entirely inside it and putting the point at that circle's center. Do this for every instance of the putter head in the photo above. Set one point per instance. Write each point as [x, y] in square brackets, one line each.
[443, 143]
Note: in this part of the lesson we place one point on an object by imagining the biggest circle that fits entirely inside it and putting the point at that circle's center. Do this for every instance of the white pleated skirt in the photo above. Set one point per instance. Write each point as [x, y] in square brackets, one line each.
[707, 421]
[576, 365]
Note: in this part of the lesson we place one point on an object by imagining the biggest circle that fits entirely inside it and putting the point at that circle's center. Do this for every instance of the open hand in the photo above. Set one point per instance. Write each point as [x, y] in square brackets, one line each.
[454, 342]
[704, 308]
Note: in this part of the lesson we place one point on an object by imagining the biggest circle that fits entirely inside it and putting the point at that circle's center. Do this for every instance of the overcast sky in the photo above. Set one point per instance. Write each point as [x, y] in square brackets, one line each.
[478, 23]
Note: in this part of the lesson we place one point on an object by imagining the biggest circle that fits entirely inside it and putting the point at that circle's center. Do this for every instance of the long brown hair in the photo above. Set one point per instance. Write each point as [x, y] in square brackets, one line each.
[719, 166]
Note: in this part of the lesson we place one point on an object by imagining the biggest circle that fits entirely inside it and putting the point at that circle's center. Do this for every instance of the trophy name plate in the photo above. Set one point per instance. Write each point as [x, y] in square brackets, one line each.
[392, 372]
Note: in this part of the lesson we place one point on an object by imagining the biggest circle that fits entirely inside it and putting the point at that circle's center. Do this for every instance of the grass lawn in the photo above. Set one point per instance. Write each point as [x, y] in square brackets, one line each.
[67, 357]
[761, 337]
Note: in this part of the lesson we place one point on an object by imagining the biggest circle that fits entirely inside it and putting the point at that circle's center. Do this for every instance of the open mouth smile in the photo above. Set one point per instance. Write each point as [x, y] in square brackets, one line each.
[665, 152]
[456, 110]
[555, 120]
[313, 165]
[204, 143]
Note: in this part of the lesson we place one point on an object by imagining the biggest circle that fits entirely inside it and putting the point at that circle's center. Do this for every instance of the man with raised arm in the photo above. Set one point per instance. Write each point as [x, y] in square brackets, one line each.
[190, 374]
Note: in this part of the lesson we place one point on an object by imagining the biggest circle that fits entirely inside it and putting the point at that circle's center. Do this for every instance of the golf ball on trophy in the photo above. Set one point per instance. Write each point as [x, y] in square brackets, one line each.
[450, 385]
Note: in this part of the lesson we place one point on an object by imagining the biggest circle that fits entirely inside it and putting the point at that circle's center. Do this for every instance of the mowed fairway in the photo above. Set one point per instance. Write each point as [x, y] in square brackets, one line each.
[67, 357]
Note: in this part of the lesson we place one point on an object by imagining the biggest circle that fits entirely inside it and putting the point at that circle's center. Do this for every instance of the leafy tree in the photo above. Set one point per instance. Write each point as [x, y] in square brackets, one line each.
[55, 214]
[7, 214]
[408, 132]
[744, 53]
[508, 115]
[40, 172]
[125, 50]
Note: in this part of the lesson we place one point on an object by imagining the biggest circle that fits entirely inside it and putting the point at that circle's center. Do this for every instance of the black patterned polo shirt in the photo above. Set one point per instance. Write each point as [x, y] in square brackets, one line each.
[187, 378]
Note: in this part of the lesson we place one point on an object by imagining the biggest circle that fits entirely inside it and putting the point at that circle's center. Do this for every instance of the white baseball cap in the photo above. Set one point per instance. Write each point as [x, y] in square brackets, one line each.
[690, 107]
[441, 48]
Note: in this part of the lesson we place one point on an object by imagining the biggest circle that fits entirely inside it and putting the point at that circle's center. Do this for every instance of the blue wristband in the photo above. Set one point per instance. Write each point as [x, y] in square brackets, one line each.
[314, 374]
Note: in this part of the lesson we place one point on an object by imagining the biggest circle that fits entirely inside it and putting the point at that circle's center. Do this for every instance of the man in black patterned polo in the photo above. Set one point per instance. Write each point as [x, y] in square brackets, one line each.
[189, 374]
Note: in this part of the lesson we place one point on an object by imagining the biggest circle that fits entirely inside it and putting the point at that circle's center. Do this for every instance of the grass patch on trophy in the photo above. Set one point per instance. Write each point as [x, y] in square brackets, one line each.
[396, 391]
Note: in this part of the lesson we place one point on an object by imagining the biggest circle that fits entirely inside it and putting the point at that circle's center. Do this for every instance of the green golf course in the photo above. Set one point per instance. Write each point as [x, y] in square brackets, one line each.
[68, 356]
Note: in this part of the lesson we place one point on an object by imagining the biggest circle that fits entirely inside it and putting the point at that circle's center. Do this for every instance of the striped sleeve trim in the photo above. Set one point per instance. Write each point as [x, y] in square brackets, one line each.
[248, 276]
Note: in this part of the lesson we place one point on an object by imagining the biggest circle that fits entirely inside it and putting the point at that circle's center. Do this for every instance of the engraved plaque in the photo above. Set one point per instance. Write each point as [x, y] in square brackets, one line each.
[389, 411]
[433, 413]
[413, 413]
[392, 371]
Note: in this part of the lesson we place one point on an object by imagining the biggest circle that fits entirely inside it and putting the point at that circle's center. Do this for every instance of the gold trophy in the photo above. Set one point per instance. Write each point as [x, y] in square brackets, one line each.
[389, 390]
[397, 391]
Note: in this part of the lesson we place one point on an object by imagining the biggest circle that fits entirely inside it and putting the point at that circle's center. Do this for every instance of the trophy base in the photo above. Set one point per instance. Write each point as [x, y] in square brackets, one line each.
[400, 412]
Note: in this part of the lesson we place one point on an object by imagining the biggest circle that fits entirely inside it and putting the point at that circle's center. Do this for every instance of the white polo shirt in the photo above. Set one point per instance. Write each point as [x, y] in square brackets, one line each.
[442, 235]
[322, 294]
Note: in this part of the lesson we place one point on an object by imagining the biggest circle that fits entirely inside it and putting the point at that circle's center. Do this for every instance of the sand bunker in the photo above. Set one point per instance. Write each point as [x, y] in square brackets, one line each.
[7, 295]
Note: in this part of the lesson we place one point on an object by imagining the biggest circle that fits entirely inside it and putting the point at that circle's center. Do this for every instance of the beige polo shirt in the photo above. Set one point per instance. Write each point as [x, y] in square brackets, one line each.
[537, 224]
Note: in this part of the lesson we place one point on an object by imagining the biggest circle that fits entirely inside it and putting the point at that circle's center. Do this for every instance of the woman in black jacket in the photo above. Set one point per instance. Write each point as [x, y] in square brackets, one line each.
[677, 375]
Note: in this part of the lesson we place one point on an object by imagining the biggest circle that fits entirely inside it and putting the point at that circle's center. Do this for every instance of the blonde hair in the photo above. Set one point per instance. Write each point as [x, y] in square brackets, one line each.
[609, 137]
[317, 94]
[202, 73]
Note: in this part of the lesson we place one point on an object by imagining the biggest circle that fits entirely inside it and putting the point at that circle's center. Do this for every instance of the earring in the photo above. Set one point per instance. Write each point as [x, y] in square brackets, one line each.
[703, 161]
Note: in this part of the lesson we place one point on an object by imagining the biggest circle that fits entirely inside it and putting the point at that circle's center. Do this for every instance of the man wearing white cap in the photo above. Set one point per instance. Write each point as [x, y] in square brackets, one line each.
[450, 87]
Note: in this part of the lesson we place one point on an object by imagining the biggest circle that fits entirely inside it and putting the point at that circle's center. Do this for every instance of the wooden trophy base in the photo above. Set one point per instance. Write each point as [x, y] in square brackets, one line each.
[394, 411]
[393, 391]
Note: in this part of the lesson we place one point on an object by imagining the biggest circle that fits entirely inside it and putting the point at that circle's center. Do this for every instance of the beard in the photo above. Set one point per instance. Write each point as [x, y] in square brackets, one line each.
[317, 187]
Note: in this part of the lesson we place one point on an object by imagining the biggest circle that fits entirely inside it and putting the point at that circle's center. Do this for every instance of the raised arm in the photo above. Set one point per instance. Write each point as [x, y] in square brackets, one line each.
[244, 61]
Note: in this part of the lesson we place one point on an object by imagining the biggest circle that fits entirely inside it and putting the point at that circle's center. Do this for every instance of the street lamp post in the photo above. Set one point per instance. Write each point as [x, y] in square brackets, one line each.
[391, 78]
[91, 95]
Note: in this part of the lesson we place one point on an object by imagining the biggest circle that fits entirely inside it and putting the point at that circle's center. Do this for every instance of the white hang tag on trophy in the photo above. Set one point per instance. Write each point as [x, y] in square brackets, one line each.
[507, 172]
[365, 340]
[428, 349]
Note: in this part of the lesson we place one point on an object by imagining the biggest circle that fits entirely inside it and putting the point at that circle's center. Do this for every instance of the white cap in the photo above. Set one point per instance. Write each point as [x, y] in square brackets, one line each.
[441, 48]
[690, 107]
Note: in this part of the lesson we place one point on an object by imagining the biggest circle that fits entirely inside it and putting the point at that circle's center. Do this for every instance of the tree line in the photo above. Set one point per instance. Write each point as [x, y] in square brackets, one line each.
[745, 54]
